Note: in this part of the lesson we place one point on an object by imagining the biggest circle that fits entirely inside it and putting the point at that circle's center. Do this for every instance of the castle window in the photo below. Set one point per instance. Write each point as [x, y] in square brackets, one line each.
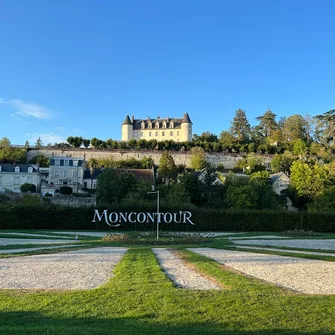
[149, 133]
[171, 133]
[163, 133]
[150, 125]
[56, 173]
[171, 124]
[164, 124]
[157, 124]
[156, 133]
[177, 133]
[142, 125]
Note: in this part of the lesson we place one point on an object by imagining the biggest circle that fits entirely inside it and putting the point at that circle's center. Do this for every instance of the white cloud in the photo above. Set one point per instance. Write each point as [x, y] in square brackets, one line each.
[26, 109]
[46, 138]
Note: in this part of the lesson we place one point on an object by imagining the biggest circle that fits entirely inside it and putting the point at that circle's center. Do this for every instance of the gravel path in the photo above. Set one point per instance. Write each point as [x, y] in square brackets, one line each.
[302, 275]
[290, 250]
[80, 269]
[15, 251]
[10, 241]
[180, 274]
[304, 244]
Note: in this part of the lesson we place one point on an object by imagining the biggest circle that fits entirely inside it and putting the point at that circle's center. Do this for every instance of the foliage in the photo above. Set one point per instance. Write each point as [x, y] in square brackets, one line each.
[109, 187]
[300, 232]
[42, 160]
[65, 190]
[167, 168]
[198, 160]
[282, 162]
[324, 201]
[309, 180]
[26, 187]
[240, 127]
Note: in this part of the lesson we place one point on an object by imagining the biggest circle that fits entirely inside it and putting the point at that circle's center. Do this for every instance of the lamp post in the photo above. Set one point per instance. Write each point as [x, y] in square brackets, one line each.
[158, 217]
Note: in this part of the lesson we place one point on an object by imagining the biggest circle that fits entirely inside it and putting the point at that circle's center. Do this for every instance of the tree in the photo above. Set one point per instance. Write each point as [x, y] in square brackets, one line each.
[267, 123]
[308, 180]
[167, 168]
[109, 187]
[26, 144]
[295, 128]
[282, 162]
[299, 148]
[27, 187]
[38, 143]
[198, 160]
[326, 126]
[5, 143]
[42, 160]
[324, 202]
[240, 127]
[86, 142]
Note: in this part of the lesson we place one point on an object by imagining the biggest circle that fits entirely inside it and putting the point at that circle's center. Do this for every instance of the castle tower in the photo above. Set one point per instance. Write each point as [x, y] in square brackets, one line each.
[127, 129]
[186, 128]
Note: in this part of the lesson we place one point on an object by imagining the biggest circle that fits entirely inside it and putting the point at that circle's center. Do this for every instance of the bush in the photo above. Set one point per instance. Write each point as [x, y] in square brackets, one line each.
[26, 187]
[65, 190]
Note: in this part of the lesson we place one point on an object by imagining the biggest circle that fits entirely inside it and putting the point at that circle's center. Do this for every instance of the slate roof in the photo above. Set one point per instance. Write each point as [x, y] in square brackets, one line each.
[277, 176]
[11, 167]
[137, 124]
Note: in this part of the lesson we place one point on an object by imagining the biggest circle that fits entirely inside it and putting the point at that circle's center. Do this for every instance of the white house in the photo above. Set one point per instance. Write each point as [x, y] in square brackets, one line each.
[12, 176]
[67, 171]
[280, 181]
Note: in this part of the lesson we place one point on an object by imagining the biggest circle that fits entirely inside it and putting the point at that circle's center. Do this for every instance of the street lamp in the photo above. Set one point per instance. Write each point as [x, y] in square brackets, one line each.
[158, 217]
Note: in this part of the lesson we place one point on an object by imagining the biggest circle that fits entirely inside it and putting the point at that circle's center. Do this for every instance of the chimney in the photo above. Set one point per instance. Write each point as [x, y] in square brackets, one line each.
[132, 119]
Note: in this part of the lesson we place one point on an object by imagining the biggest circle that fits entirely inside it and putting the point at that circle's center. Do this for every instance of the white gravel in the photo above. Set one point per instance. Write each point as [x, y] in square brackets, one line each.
[10, 241]
[15, 251]
[80, 269]
[180, 274]
[304, 243]
[290, 250]
[302, 275]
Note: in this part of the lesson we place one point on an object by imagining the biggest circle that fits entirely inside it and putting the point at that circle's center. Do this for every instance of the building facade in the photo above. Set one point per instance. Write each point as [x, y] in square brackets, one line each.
[12, 176]
[160, 129]
[66, 171]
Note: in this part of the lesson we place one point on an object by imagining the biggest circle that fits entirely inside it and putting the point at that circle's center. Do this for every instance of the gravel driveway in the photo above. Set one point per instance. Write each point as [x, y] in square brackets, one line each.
[299, 274]
[81, 269]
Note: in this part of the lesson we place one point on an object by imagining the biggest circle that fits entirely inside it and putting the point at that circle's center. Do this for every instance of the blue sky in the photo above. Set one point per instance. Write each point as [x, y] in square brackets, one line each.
[78, 67]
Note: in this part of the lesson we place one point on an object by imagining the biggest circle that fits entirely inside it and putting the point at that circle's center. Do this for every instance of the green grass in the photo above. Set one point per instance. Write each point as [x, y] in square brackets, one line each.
[140, 299]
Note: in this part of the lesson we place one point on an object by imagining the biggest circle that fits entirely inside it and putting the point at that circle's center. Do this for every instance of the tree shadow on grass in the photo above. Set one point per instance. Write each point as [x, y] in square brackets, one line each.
[32, 323]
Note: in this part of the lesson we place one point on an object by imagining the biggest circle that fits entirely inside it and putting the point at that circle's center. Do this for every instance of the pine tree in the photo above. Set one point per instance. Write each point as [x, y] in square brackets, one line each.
[240, 127]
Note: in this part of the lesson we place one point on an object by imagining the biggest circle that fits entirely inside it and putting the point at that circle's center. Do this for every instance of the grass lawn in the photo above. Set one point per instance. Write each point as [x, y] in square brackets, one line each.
[140, 299]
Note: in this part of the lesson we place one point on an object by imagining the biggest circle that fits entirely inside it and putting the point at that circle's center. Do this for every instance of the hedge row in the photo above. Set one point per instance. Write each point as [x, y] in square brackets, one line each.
[39, 217]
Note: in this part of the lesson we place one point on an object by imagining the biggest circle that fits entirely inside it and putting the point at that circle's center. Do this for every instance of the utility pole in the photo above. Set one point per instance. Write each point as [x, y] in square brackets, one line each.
[158, 216]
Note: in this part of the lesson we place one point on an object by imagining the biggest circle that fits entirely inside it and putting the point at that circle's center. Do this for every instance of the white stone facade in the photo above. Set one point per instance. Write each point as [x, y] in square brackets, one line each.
[12, 176]
[160, 129]
[66, 171]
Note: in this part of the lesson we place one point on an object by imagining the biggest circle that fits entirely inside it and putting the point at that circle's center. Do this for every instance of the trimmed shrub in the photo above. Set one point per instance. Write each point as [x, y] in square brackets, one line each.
[65, 190]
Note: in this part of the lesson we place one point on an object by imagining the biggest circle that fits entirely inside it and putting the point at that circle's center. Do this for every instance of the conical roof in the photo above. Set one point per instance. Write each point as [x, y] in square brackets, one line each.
[127, 120]
[186, 119]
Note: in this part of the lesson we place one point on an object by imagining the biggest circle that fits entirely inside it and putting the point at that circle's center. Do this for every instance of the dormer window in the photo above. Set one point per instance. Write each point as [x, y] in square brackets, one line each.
[150, 125]
[142, 125]
[171, 124]
[157, 124]
[17, 169]
[164, 124]
[30, 169]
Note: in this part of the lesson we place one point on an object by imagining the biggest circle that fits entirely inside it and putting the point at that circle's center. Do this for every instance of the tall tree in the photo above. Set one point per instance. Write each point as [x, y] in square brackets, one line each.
[5, 142]
[326, 126]
[198, 160]
[240, 127]
[295, 128]
[109, 187]
[267, 123]
[167, 168]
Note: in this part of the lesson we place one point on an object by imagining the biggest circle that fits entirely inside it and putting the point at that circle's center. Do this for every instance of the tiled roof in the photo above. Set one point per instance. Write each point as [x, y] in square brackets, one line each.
[11, 167]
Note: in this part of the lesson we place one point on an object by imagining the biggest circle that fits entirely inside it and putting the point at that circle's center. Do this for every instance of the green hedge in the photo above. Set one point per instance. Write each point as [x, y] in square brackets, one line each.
[51, 217]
